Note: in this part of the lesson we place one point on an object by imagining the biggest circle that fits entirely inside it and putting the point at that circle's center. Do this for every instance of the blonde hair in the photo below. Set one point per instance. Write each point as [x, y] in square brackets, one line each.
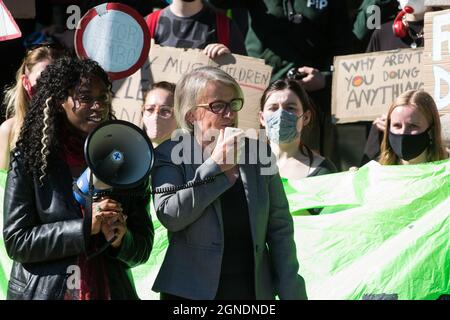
[45, 151]
[426, 105]
[16, 97]
[191, 87]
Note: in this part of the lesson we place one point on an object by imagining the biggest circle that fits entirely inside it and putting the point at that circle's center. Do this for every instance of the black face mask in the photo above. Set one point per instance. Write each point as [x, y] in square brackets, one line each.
[409, 146]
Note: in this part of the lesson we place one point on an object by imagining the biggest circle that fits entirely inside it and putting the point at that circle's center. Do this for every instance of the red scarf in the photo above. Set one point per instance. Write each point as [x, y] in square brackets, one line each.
[93, 276]
[73, 149]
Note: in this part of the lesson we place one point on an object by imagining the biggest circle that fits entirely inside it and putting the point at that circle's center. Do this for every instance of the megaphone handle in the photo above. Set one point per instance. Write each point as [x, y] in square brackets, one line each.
[114, 238]
[102, 248]
[190, 184]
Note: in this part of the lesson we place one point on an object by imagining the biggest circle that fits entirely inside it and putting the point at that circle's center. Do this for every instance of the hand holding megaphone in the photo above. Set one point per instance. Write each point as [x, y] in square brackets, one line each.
[119, 156]
[104, 211]
[114, 229]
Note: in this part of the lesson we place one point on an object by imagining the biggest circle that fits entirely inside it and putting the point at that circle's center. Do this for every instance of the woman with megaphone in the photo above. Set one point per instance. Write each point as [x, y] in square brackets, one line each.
[46, 232]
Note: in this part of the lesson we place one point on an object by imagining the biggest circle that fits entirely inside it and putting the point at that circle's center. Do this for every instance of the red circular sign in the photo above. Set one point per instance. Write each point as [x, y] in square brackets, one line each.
[116, 36]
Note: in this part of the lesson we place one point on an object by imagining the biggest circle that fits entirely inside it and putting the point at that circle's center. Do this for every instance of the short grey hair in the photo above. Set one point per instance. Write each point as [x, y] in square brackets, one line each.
[191, 87]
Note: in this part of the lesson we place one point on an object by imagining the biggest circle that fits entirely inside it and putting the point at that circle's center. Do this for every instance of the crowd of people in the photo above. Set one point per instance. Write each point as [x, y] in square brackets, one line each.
[231, 236]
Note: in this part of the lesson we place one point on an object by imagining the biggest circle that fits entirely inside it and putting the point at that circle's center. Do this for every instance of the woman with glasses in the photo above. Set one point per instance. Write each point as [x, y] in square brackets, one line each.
[286, 112]
[229, 228]
[18, 96]
[157, 112]
[54, 242]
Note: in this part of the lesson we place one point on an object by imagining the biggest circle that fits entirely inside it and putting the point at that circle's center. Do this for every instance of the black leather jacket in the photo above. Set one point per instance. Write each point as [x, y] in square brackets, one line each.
[44, 233]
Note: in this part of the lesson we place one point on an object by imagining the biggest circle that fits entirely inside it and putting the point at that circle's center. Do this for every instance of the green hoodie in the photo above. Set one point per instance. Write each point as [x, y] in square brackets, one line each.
[324, 31]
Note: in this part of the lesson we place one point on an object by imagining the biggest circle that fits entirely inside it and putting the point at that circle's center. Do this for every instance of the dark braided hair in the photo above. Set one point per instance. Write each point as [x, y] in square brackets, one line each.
[39, 139]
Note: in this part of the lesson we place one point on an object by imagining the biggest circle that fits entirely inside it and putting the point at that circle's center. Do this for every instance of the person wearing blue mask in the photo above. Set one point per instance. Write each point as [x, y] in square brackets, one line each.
[286, 111]
[413, 131]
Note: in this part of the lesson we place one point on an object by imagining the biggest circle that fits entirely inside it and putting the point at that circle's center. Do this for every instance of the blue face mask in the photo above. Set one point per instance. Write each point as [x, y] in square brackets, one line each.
[282, 126]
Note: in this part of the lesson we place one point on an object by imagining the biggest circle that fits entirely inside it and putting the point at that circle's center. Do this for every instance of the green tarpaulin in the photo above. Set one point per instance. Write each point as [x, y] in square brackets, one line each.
[383, 233]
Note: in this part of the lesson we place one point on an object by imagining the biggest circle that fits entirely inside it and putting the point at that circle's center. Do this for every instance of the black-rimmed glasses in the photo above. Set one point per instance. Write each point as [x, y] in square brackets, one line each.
[88, 100]
[219, 107]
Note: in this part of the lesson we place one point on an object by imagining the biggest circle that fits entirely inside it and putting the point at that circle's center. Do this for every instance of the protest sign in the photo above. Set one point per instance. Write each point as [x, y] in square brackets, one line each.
[436, 70]
[364, 85]
[8, 27]
[169, 64]
[115, 36]
[437, 3]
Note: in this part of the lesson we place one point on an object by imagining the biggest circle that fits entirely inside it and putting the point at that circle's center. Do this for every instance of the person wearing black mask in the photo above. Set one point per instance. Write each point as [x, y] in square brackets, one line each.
[413, 131]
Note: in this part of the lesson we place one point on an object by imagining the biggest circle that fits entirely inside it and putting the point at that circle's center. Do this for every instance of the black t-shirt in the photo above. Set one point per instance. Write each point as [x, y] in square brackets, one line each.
[385, 39]
[195, 32]
[237, 275]
[325, 167]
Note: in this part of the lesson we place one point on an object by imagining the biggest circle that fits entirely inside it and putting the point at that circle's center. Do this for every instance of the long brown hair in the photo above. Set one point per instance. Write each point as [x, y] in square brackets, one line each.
[426, 105]
[306, 101]
[16, 97]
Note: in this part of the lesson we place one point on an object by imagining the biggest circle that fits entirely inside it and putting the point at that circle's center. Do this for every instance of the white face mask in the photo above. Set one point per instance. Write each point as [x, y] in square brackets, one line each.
[417, 5]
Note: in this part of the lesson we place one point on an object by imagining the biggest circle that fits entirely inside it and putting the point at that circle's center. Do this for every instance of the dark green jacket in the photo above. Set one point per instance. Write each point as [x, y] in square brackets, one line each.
[322, 34]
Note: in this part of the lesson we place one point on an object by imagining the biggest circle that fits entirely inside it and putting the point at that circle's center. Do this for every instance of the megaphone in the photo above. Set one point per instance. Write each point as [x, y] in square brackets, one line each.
[119, 155]
[398, 27]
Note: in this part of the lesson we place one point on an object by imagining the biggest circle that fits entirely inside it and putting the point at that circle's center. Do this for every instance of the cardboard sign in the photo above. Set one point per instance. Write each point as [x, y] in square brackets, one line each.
[364, 85]
[437, 58]
[437, 3]
[8, 27]
[169, 64]
[445, 123]
[21, 9]
[115, 36]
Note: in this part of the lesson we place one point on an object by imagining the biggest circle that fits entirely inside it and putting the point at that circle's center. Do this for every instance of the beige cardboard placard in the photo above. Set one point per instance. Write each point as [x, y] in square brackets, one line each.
[128, 95]
[436, 70]
[445, 123]
[364, 85]
[169, 64]
[21, 9]
[437, 3]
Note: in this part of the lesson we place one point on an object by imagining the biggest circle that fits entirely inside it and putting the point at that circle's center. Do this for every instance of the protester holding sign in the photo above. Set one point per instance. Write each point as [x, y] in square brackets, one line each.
[230, 230]
[157, 112]
[47, 234]
[304, 36]
[406, 31]
[191, 24]
[18, 97]
[286, 111]
[413, 131]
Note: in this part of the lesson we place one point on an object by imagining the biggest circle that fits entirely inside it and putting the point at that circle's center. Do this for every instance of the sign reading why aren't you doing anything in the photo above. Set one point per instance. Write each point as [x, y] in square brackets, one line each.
[364, 85]
[115, 36]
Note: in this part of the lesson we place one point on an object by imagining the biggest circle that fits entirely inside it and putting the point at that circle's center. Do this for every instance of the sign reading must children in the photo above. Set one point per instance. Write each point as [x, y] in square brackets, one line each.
[364, 85]
[437, 58]
[169, 64]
